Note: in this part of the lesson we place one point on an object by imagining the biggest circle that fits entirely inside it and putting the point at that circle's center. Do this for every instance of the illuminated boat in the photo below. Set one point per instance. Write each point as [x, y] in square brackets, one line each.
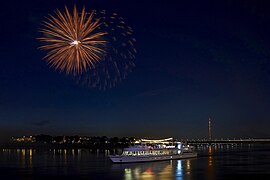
[154, 150]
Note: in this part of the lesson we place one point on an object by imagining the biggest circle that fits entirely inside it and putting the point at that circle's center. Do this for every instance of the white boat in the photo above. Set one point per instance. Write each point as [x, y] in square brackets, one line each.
[154, 150]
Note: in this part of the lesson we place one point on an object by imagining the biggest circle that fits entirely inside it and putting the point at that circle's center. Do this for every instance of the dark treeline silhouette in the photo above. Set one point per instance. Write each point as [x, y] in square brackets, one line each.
[96, 142]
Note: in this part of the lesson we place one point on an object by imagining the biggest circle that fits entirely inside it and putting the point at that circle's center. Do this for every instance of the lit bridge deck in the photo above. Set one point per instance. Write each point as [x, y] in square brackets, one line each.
[225, 141]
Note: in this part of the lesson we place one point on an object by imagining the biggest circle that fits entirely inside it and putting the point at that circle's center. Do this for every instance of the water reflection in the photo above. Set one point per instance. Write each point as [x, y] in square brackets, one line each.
[128, 175]
[148, 174]
[176, 169]
[210, 167]
[166, 171]
[213, 162]
[188, 167]
[24, 157]
[30, 158]
[210, 154]
[179, 170]
[65, 156]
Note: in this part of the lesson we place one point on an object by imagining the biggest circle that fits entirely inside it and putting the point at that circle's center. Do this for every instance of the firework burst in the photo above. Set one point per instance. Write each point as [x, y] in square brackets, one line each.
[118, 62]
[74, 42]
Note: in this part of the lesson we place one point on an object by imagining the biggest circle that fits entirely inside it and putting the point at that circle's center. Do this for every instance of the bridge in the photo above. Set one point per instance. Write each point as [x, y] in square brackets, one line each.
[227, 141]
[210, 139]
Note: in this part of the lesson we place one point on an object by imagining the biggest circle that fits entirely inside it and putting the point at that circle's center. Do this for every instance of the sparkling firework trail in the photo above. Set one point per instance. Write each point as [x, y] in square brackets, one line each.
[118, 62]
[75, 43]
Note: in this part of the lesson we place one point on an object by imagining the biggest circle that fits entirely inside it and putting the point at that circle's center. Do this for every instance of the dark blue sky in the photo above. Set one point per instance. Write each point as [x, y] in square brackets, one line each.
[194, 59]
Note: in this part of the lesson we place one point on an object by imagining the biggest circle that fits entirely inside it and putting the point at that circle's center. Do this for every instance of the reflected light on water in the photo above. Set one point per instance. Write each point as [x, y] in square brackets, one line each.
[79, 153]
[210, 150]
[210, 153]
[35, 163]
[166, 172]
[137, 172]
[22, 161]
[65, 153]
[155, 170]
[24, 157]
[148, 174]
[128, 175]
[210, 161]
[73, 153]
[65, 156]
[210, 168]
[107, 152]
[30, 158]
[179, 170]
[188, 167]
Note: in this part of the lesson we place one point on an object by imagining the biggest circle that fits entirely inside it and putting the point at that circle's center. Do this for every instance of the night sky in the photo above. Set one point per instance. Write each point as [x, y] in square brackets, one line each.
[195, 60]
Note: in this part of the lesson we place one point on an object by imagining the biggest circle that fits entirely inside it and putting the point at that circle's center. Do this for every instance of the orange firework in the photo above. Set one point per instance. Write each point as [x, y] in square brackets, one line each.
[74, 42]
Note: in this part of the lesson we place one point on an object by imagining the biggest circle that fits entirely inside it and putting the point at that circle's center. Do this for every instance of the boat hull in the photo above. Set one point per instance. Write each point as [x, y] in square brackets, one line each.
[131, 159]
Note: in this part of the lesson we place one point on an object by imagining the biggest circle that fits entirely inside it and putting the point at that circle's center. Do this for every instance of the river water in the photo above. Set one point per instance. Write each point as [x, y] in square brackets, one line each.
[213, 162]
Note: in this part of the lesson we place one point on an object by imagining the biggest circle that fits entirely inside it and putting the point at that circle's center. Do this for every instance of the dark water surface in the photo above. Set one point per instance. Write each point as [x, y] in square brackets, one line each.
[215, 162]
